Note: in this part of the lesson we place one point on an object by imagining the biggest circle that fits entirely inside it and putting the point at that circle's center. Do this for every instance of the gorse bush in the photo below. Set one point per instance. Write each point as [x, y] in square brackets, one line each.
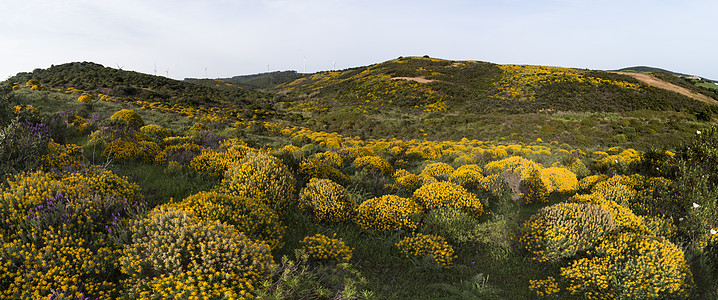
[374, 163]
[467, 176]
[326, 200]
[419, 245]
[388, 213]
[438, 170]
[630, 265]
[60, 233]
[262, 176]
[313, 168]
[174, 255]
[127, 118]
[443, 194]
[248, 215]
[566, 229]
[323, 248]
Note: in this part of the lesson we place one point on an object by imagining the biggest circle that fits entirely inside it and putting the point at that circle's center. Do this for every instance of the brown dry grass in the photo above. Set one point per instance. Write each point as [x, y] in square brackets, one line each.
[655, 82]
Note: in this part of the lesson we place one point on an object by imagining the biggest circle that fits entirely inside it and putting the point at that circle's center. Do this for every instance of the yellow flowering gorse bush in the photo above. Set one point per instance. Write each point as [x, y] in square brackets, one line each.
[326, 200]
[323, 248]
[419, 245]
[388, 213]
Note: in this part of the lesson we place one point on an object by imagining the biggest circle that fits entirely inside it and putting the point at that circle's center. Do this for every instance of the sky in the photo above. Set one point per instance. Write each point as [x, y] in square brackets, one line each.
[223, 38]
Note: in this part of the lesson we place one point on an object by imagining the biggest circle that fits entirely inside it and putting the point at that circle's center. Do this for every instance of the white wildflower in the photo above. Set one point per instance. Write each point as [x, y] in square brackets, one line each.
[698, 132]
[695, 205]
[713, 231]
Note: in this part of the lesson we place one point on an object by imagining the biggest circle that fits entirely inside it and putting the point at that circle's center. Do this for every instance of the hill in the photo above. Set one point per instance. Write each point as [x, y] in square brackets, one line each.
[263, 80]
[422, 97]
[90, 76]
[645, 69]
[223, 191]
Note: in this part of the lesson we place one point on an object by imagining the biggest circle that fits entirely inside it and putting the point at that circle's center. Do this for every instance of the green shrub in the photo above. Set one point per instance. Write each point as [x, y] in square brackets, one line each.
[450, 222]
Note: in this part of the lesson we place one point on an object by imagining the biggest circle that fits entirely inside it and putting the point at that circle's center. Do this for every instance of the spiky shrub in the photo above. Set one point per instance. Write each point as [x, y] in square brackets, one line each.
[60, 234]
[532, 187]
[375, 164]
[214, 163]
[420, 245]
[127, 118]
[389, 212]
[248, 215]
[409, 183]
[438, 170]
[79, 123]
[154, 133]
[574, 165]
[565, 229]
[260, 175]
[443, 194]
[60, 157]
[330, 158]
[326, 200]
[320, 247]
[313, 168]
[467, 176]
[450, 222]
[173, 255]
[630, 265]
[619, 163]
[587, 183]
[559, 180]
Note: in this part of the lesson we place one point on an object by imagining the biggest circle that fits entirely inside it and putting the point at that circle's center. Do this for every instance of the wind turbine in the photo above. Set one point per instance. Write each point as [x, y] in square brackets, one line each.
[119, 67]
[167, 72]
[155, 69]
[205, 72]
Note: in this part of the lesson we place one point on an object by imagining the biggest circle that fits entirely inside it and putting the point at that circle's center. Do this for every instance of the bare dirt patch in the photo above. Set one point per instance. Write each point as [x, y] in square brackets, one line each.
[417, 79]
[655, 82]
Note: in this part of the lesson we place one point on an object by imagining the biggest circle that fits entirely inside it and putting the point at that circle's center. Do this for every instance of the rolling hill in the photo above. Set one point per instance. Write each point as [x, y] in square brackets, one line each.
[421, 97]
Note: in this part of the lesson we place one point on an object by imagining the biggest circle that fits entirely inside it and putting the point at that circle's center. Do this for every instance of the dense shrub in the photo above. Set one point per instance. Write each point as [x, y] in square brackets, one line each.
[630, 265]
[127, 118]
[450, 222]
[438, 170]
[248, 215]
[262, 176]
[468, 176]
[374, 163]
[442, 194]
[563, 230]
[172, 254]
[22, 143]
[313, 168]
[61, 233]
[326, 200]
[320, 247]
[389, 212]
[434, 246]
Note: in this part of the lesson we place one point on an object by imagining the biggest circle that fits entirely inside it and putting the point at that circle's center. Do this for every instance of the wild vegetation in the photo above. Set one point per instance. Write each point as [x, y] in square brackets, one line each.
[416, 178]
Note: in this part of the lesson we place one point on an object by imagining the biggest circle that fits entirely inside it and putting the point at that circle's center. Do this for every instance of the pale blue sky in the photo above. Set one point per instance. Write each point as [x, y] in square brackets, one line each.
[182, 38]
